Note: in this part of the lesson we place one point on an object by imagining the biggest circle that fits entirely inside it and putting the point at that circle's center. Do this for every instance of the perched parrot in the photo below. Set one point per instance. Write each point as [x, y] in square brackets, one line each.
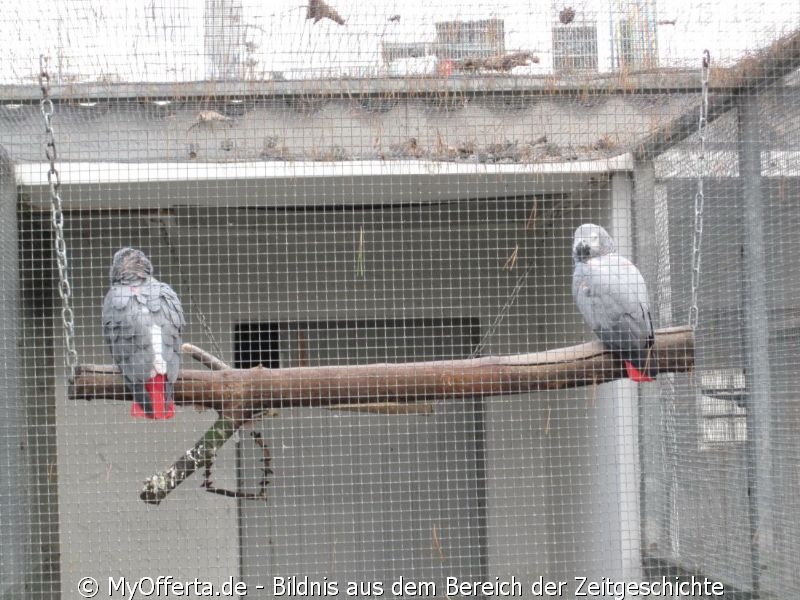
[142, 323]
[611, 294]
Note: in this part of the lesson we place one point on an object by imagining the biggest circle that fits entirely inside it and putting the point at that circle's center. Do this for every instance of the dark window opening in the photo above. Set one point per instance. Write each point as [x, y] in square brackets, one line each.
[350, 342]
[256, 344]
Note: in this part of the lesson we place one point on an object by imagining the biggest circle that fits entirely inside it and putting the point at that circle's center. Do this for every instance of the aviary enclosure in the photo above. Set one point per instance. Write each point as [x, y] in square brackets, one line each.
[386, 388]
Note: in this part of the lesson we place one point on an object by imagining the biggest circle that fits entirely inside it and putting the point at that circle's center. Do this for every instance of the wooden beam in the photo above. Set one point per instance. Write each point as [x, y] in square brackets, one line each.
[240, 393]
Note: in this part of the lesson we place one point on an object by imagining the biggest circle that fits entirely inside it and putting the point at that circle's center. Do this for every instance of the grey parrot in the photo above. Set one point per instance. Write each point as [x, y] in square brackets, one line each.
[142, 324]
[611, 294]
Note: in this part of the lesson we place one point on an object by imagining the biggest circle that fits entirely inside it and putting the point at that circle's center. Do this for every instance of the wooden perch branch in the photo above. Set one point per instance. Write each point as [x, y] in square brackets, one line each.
[243, 394]
[204, 452]
[238, 394]
[202, 455]
[204, 358]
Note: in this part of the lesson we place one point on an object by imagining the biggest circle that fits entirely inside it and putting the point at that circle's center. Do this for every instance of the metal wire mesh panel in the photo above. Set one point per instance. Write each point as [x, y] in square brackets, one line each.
[375, 343]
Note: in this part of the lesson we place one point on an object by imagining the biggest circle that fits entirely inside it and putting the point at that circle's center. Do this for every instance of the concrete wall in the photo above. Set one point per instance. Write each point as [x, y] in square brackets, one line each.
[41, 333]
[459, 126]
[15, 519]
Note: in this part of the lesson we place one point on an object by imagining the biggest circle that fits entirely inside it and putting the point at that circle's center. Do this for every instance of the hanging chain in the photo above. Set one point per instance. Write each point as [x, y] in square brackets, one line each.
[699, 198]
[57, 220]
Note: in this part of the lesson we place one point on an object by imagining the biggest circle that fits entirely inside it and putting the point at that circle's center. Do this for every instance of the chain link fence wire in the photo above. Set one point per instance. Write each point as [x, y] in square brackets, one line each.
[368, 210]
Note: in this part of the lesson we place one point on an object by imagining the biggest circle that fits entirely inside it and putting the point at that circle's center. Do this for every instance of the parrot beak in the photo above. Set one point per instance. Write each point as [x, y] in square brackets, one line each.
[582, 251]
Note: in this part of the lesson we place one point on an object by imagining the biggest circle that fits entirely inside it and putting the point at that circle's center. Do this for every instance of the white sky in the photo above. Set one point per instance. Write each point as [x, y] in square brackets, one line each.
[162, 40]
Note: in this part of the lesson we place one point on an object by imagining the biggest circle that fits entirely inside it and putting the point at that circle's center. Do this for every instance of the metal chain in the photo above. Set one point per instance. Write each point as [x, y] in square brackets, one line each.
[699, 198]
[57, 221]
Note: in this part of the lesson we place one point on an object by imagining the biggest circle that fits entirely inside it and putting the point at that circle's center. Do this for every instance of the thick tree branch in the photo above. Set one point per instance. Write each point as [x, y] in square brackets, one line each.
[202, 455]
[238, 394]
[405, 388]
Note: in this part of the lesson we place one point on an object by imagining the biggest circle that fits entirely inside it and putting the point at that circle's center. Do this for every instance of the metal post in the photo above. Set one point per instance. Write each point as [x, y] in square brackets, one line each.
[651, 241]
[621, 401]
[759, 461]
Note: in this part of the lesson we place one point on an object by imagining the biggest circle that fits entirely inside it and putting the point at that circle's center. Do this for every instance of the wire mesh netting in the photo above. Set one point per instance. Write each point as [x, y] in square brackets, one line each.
[403, 368]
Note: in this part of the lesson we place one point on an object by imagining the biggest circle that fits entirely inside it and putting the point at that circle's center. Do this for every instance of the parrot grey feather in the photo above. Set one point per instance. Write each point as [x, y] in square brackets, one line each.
[611, 294]
[135, 303]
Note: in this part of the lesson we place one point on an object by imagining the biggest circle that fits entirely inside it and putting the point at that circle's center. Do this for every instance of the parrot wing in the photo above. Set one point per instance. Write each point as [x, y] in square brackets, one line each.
[142, 325]
[126, 328]
[611, 294]
[167, 313]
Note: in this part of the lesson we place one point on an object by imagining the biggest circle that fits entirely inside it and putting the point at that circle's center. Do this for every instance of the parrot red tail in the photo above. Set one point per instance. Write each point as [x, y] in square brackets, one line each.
[156, 388]
[636, 375]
